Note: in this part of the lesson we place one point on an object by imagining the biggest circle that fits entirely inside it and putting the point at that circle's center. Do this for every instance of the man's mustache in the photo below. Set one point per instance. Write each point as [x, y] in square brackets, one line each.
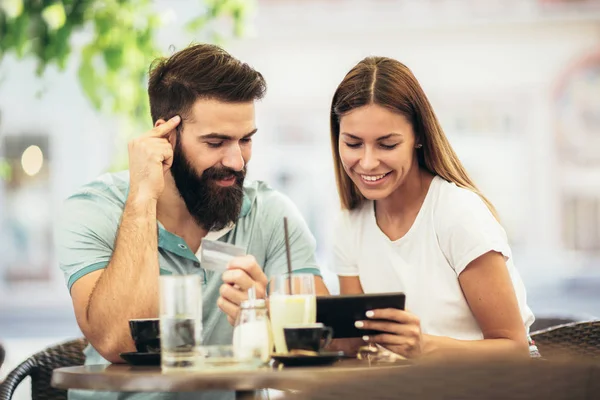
[218, 173]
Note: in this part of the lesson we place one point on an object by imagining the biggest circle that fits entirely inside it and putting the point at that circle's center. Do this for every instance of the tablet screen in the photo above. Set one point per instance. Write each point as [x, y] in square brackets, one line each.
[341, 312]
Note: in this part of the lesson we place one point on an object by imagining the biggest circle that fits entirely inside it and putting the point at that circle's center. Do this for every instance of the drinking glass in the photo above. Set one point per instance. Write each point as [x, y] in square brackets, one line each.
[180, 321]
[292, 301]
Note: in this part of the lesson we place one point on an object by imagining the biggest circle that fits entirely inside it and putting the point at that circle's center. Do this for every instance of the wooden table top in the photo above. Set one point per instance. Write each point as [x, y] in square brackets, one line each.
[127, 378]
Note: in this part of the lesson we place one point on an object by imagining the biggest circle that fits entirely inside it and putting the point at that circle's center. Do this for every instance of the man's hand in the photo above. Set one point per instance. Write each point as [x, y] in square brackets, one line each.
[150, 157]
[242, 274]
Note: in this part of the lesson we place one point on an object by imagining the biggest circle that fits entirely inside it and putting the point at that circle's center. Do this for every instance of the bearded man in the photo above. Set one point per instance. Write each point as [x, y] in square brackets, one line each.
[185, 183]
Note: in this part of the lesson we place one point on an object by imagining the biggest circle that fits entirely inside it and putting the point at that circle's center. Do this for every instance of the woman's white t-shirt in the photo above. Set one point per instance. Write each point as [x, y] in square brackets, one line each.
[453, 228]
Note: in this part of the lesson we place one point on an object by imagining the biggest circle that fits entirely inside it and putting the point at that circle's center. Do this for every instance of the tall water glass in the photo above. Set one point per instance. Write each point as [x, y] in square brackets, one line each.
[292, 301]
[180, 321]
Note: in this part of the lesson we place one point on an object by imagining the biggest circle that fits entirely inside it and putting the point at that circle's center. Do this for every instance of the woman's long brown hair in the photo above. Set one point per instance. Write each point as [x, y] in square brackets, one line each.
[389, 83]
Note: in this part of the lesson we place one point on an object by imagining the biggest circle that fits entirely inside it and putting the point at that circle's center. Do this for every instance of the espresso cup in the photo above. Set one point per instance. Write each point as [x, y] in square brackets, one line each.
[145, 334]
[310, 337]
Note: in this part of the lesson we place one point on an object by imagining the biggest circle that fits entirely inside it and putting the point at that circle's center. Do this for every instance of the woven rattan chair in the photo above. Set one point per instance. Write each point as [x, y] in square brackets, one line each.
[1, 355]
[579, 340]
[458, 381]
[545, 322]
[40, 367]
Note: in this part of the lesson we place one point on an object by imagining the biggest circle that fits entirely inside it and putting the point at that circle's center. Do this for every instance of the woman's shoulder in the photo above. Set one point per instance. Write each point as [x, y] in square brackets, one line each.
[465, 227]
[451, 192]
[455, 206]
[453, 199]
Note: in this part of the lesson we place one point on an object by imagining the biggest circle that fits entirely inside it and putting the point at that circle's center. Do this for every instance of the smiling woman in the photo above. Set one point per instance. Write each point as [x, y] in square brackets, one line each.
[372, 158]
[414, 222]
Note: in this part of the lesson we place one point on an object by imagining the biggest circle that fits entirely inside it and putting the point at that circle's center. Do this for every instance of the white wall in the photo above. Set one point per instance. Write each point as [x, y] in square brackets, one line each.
[518, 61]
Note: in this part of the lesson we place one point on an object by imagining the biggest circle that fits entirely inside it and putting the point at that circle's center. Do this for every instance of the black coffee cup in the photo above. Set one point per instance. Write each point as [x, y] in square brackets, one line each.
[310, 337]
[146, 334]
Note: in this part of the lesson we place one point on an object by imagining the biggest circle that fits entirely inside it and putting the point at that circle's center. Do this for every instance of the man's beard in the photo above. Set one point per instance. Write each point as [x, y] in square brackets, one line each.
[212, 206]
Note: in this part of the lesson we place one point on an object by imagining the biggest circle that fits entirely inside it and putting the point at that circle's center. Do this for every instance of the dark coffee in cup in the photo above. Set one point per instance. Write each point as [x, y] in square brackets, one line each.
[308, 337]
[146, 334]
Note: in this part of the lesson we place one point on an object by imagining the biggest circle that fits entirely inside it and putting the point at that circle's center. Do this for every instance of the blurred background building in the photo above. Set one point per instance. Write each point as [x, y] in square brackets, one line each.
[515, 83]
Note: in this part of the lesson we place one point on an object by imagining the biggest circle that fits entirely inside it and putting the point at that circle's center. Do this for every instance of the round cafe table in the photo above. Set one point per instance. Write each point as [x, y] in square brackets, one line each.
[127, 378]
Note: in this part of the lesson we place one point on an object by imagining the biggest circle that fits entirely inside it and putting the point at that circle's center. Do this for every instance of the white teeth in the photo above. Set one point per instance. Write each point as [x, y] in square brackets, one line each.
[372, 178]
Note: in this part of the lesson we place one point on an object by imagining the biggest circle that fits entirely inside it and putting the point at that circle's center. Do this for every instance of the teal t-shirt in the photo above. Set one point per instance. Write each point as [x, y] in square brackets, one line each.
[87, 229]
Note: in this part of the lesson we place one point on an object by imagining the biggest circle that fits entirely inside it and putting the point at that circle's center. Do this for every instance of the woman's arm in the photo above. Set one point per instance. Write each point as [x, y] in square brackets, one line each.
[350, 285]
[489, 291]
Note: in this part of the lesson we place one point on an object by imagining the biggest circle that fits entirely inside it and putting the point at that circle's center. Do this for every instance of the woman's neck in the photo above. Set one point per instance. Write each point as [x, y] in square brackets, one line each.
[396, 214]
[407, 197]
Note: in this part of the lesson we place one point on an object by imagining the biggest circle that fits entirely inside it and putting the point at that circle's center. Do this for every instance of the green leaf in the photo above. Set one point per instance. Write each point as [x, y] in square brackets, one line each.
[19, 33]
[5, 170]
[197, 23]
[113, 57]
[54, 16]
[87, 77]
[12, 8]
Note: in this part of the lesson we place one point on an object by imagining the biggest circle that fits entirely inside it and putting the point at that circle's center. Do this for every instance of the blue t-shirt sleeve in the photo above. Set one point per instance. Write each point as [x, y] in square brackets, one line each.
[302, 243]
[85, 234]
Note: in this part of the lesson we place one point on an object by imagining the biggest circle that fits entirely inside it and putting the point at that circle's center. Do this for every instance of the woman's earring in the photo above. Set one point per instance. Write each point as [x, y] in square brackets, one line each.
[418, 146]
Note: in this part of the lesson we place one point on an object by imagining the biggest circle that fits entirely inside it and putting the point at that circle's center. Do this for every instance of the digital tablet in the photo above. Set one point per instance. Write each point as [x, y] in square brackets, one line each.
[341, 312]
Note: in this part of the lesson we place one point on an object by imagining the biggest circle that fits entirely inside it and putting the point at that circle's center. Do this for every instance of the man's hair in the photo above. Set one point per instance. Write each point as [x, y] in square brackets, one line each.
[201, 71]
